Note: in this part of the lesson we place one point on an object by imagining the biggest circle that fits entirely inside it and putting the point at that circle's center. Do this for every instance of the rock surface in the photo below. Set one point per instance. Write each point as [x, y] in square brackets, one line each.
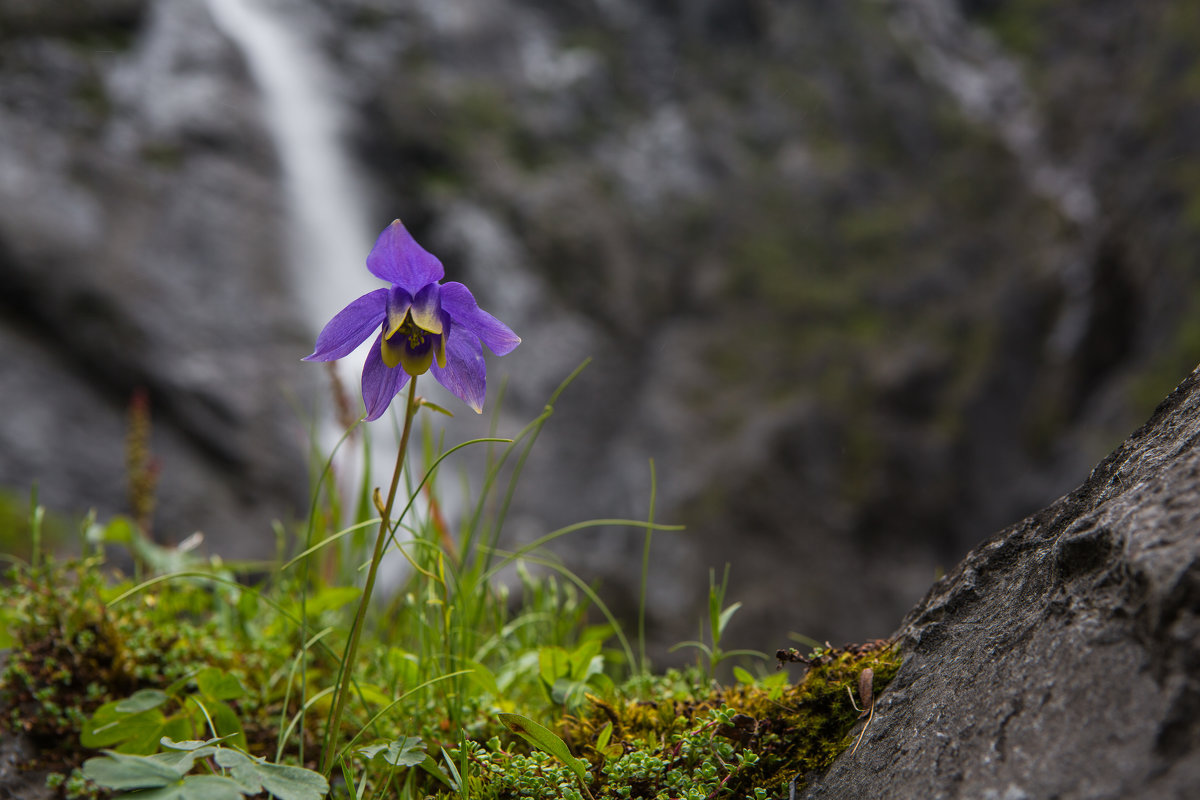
[139, 207]
[1062, 658]
[868, 280]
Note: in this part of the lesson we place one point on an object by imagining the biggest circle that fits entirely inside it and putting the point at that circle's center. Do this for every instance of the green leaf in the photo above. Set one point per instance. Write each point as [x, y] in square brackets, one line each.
[177, 727]
[553, 663]
[141, 700]
[332, 598]
[188, 745]
[132, 733]
[586, 661]
[196, 787]
[725, 616]
[743, 676]
[483, 677]
[568, 692]
[282, 781]
[217, 684]
[545, 740]
[119, 771]
[430, 765]
[407, 751]
[226, 721]
[120, 530]
[8, 620]
[435, 407]
[604, 735]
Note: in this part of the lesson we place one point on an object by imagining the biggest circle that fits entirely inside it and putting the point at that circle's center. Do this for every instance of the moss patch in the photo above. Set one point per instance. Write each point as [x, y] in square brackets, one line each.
[789, 731]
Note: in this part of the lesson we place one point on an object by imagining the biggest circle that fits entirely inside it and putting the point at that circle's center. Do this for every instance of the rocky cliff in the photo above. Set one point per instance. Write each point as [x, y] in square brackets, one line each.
[867, 279]
[1059, 659]
[139, 250]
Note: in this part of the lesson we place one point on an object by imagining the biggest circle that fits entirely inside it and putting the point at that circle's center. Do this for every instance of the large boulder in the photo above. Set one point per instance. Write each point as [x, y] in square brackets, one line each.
[1061, 658]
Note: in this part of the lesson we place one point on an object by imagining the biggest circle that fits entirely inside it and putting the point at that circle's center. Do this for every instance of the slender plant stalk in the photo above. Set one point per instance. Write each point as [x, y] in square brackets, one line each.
[335, 718]
[644, 666]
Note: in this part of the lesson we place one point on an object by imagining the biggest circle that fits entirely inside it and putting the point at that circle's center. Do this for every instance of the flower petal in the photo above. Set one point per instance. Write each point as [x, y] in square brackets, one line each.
[350, 327]
[380, 383]
[460, 304]
[398, 304]
[427, 308]
[465, 374]
[397, 258]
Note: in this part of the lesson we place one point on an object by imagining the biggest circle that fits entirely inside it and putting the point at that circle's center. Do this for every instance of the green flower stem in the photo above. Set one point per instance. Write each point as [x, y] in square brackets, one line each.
[335, 718]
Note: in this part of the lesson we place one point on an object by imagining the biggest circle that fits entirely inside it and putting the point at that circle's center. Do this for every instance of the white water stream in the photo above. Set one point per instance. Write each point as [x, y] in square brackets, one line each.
[330, 232]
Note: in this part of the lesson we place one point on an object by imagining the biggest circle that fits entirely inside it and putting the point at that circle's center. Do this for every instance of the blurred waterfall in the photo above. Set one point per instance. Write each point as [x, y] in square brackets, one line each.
[330, 232]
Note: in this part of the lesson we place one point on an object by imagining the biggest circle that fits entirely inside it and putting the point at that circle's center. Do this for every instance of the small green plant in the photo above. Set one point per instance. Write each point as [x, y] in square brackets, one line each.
[719, 616]
[187, 708]
[228, 773]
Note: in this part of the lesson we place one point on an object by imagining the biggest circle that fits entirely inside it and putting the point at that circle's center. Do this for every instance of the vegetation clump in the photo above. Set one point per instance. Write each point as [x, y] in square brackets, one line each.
[759, 734]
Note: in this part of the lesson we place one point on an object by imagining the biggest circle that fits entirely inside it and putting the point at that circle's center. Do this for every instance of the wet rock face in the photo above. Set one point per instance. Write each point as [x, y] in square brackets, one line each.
[867, 280]
[1060, 659]
[138, 250]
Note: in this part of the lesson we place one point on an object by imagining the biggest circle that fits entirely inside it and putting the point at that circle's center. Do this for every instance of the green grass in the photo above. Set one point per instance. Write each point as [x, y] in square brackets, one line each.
[195, 681]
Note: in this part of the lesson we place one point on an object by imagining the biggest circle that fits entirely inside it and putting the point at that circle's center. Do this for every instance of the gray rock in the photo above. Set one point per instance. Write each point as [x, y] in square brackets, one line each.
[1062, 658]
[139, 249]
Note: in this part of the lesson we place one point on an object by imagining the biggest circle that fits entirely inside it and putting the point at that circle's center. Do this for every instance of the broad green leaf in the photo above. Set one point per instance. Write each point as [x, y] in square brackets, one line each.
[133, 733]
[141, 700]
[196, 787]
[483, 677]
[177, 727]
[282, 781]
[545, 740]
[743, 676]
[217, 684]
[407, 751]
[332, 598]
[553, 663]
[586, 661]
[373, 694]
[119, 771]
[228, 725]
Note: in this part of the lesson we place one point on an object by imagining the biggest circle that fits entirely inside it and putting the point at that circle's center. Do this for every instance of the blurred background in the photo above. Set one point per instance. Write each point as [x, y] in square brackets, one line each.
[869, 280]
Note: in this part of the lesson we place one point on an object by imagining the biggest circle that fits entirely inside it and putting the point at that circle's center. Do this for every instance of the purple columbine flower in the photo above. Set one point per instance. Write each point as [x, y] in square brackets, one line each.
[424, 324]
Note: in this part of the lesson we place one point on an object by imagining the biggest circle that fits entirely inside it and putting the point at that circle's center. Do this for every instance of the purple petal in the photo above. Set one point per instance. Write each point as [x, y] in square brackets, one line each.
[397, 258]
[460, 304]
[380, 383]
[350, 327]
[465, 374]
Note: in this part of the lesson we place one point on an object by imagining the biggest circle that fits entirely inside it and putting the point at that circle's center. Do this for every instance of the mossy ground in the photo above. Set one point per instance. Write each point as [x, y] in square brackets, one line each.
[793, 729]
[670, 735]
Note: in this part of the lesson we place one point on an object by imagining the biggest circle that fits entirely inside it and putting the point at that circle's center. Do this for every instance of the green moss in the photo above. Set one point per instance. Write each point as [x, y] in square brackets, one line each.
[756, 736]
[72, 650]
